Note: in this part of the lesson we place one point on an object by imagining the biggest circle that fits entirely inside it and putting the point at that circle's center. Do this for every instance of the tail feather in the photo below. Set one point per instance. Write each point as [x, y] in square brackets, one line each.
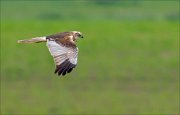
[33, 40]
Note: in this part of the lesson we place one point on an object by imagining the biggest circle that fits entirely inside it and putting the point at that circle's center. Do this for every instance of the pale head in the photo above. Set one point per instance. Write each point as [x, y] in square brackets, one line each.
[77, 34]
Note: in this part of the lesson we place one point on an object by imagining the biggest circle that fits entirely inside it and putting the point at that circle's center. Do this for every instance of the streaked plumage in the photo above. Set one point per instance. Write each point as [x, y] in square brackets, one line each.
[62, 47]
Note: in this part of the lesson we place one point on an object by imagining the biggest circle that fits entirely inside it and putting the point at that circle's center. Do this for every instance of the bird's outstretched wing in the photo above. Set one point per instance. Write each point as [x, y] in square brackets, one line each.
[65, 57]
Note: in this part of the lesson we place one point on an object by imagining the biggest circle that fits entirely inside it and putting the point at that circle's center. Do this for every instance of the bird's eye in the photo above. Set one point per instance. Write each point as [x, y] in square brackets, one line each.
[79, 35]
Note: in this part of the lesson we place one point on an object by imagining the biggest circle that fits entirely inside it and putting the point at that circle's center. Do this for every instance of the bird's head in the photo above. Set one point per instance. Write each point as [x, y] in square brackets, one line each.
[77, 34]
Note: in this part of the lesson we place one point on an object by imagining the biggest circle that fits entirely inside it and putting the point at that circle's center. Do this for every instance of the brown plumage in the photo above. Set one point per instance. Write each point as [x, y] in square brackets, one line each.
[62, 47]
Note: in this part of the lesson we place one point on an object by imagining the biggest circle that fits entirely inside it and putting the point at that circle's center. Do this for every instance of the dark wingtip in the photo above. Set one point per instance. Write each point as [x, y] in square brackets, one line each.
[64, 68]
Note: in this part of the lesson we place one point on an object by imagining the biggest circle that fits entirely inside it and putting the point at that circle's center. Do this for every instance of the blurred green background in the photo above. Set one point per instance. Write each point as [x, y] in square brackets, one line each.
[128, 61]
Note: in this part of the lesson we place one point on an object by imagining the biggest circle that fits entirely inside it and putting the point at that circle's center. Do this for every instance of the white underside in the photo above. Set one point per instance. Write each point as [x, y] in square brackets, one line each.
[61, 53]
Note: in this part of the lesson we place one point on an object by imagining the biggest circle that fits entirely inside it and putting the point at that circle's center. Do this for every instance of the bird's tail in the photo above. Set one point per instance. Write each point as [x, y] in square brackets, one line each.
[33, 40]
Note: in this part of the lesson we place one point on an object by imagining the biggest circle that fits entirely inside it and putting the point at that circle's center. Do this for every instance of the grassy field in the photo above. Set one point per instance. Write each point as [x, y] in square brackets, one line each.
[128, 61]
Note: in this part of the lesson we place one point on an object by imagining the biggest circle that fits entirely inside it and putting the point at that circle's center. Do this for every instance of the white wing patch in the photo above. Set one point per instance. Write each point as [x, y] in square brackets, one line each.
[61, 53]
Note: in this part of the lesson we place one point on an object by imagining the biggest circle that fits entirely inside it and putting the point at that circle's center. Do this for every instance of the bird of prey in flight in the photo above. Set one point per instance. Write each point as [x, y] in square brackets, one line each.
[62, 47]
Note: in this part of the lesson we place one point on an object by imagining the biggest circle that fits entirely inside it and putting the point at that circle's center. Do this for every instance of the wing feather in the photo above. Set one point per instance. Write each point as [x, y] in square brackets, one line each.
[65, 57]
